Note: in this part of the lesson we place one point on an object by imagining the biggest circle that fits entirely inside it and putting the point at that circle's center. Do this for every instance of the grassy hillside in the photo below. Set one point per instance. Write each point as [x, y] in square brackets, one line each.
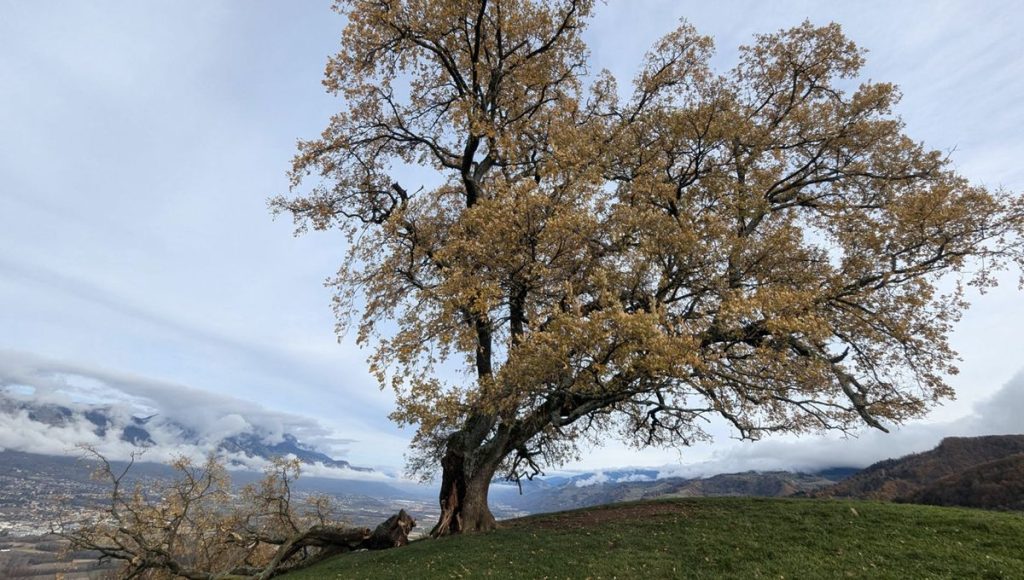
[714, 538]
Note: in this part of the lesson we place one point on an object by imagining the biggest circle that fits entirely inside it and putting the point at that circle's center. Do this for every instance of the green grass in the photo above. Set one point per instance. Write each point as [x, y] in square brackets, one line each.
[716, 538]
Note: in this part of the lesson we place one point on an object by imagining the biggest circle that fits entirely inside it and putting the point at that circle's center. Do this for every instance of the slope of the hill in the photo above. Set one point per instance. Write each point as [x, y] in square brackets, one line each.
[996, 485]
[899, 479]
[715, 538]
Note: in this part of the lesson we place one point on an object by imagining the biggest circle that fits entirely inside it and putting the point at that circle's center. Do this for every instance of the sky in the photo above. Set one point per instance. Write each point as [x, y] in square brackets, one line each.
[140, 141]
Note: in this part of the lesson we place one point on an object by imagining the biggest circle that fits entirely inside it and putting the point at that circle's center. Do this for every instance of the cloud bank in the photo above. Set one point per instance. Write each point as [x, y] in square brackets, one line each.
[1000, 414]
[53, 407]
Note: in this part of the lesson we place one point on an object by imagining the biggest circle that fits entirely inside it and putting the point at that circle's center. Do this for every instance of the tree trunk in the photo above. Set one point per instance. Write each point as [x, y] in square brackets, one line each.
[391, 533]
[464, 496]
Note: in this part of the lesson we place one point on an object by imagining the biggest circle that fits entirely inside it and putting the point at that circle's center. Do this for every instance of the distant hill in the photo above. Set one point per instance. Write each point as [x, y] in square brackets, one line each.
[995, 484]
[618, 486]
[984, 472]
[76, 472]
[970, 471]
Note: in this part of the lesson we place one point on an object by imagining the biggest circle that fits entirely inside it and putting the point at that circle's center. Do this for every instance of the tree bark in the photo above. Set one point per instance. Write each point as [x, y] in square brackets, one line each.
[463, 496]
[391, 533]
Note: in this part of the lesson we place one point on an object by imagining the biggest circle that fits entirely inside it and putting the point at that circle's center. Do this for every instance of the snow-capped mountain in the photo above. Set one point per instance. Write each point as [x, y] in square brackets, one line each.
[117, 430]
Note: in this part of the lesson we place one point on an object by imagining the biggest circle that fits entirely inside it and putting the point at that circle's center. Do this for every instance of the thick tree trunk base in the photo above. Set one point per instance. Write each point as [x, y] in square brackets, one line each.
[463, 500]
[464, 519]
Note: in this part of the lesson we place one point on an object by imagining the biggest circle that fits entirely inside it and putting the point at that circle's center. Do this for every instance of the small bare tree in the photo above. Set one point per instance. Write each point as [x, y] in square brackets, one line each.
[194, 526]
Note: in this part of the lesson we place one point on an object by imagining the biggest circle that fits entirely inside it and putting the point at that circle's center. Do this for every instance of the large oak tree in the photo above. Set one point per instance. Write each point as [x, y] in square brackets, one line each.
[763, 245]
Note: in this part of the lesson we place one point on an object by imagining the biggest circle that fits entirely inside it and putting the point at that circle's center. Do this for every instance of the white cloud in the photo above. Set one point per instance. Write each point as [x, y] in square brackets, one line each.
[595, 479]
[1000, 414]
[182, 420]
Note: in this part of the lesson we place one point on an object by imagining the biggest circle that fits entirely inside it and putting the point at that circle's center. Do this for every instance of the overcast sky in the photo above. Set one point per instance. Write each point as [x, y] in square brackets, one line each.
[139, 142]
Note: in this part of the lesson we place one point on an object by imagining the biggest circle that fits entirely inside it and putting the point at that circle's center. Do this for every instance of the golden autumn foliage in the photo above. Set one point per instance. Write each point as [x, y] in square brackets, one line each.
[762, 245]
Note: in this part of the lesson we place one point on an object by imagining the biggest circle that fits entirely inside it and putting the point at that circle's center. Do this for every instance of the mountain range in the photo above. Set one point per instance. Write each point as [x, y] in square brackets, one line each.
[243, 446]
[590, 489]
[983, 472]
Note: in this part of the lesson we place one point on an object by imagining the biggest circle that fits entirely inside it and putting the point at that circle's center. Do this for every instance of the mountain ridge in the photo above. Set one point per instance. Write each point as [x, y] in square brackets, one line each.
[959, 462]
[112, 424]
[560, 493]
